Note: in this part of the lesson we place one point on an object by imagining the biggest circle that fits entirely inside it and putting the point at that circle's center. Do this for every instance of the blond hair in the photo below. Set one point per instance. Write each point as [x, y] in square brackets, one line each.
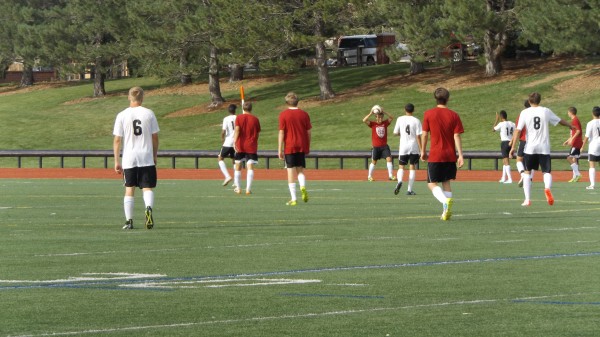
[291, 99]
[136, 94]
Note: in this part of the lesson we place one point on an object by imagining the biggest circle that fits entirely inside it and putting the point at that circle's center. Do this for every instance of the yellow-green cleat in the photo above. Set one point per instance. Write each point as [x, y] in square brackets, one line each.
[304, 194]
[447, 214]
[291, 203]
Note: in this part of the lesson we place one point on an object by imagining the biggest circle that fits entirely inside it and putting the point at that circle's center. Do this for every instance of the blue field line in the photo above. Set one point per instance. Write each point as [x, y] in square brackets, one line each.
[556, 302]
[369, 297]
[110, 284]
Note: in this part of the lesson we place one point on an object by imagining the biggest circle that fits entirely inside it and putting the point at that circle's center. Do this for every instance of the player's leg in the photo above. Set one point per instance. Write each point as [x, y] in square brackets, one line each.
[249, 176]
[237, 175]
[546, 166]
[128, 205]
[390, 168]
[592, 173]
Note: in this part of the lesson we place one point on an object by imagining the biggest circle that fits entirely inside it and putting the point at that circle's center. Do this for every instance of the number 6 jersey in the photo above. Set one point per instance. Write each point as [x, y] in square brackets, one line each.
[135, 126]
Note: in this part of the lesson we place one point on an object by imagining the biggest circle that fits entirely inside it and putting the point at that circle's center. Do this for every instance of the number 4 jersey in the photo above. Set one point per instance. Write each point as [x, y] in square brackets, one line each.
[536, 120]
[135, 126]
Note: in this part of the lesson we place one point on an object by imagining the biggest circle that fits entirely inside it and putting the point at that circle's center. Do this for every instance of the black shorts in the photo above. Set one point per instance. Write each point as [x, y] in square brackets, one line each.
[521, 150]
[227, 152]
[297, 159]
[142, 177]
[535, 161]
[593, 158]
[250, 158]
[440, 172]
[575, 152]
[505, 148]
[412, 159]
[381, 152]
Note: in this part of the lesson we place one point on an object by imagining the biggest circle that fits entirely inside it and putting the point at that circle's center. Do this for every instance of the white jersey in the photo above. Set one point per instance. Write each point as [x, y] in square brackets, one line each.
[229, 128]
[409, 128]
[536, 120]
[506, 129]
[136, 126]
[592, 132]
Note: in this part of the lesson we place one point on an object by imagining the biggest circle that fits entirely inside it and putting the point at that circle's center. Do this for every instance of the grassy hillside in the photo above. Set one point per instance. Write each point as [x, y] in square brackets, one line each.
[66, 117]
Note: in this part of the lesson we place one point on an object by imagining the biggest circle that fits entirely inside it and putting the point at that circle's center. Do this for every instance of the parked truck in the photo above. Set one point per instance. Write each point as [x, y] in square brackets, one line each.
[364, 49]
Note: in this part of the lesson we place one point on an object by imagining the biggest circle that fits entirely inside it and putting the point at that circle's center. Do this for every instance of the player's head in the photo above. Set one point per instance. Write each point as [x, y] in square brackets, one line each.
[232, 108]
[291, 99]
[526, 104]
[596, 111]
[136, 95]
[535, 98]
[503, 114]
[410, 108]
[247, 106]
[441, 95]
[572, 111]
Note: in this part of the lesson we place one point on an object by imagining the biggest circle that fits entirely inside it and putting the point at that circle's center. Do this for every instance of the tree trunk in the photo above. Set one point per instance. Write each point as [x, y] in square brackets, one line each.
[493, 46]
[236, 72]
[185, 78]
[322, 70]
[27, 76]
[213, 79]
[416, 67]
[99, 77]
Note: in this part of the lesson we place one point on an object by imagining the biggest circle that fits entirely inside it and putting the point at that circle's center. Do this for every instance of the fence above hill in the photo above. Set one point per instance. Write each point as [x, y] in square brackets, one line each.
[267, 156]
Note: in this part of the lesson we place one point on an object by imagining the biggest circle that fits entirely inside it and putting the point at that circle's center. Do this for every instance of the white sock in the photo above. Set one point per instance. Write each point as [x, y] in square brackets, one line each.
[371, 168]
[249, 179]
[520, 167]
[527, 186]
[301, 180]
[448, 194]
[400, 174]
[292, 187]
[592, 173]
[149, 198]
[547, 180]
[223, 168]
[531, 175]
[411, 179]
[507, 172]
[390, 168]
[575, 168]
[438, 193]
[237, 175]
[128, 203]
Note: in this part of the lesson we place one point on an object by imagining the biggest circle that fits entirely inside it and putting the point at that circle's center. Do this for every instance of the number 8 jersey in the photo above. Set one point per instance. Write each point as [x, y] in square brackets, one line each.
[135, 126]
[536, 120]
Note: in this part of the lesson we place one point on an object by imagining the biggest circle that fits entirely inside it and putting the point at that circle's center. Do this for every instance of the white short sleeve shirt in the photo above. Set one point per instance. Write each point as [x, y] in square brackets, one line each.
[229, 128]
[506, 129]
[136, 126]
[409, 128]
[536, 120]
[592, 132]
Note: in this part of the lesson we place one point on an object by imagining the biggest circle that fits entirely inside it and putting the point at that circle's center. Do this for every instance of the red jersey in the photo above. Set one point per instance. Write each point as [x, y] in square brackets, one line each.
[379, 132]
[442, 124]
[577, 141]
[295, 124]
[249, 128]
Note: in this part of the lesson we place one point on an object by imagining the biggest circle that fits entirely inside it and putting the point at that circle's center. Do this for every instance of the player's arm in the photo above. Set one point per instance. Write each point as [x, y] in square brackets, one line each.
[117, 154]
[281, 144]
[236, 134]
[223, 135]
[458, 145]
[424, 138]
[390, 117]
[155, 147]
[496, 122]
[513, 142]
[366, 119]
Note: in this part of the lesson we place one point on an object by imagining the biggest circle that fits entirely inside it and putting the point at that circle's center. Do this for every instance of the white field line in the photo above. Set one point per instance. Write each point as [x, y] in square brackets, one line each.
[99, 277]
[291, 316]
[234, 282]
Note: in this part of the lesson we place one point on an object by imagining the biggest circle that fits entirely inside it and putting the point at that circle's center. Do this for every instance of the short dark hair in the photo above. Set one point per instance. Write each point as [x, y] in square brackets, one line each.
[441, 95]
[247, 106]
[503, 114]
[535, 98]
[409, 108]
[526, 104]
[596, 111]
[572, 110]
[232, 108]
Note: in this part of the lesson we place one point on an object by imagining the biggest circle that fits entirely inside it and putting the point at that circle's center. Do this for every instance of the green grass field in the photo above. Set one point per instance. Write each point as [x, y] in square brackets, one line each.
[353, 261]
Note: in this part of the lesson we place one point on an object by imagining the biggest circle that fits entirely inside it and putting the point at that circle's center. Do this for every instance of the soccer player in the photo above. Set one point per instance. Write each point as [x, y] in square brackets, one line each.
[520, 153]
[576, 142]
[537, 150]
[227, 131]
[445, 128]
[506, 129]
[379, 134]
[245, 142]
[294, 144]
[136, 129]
[409, 129]
[592, 134]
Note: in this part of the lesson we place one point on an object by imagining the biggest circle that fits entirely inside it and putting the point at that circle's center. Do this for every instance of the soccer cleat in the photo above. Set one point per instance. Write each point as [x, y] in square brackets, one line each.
[447, 209]
[248, 192]
[501, 181]
[392, 178]
[411, 193]
[149, 219]
[304, 194]
[226, 181]
[237, 190]
[521, 182]
[577, 178]
[549, 197]
[291, 203]
[370, 179]
[508, 182]
[526, 203]
[591, 187]
[398, 187]
[128, 224]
